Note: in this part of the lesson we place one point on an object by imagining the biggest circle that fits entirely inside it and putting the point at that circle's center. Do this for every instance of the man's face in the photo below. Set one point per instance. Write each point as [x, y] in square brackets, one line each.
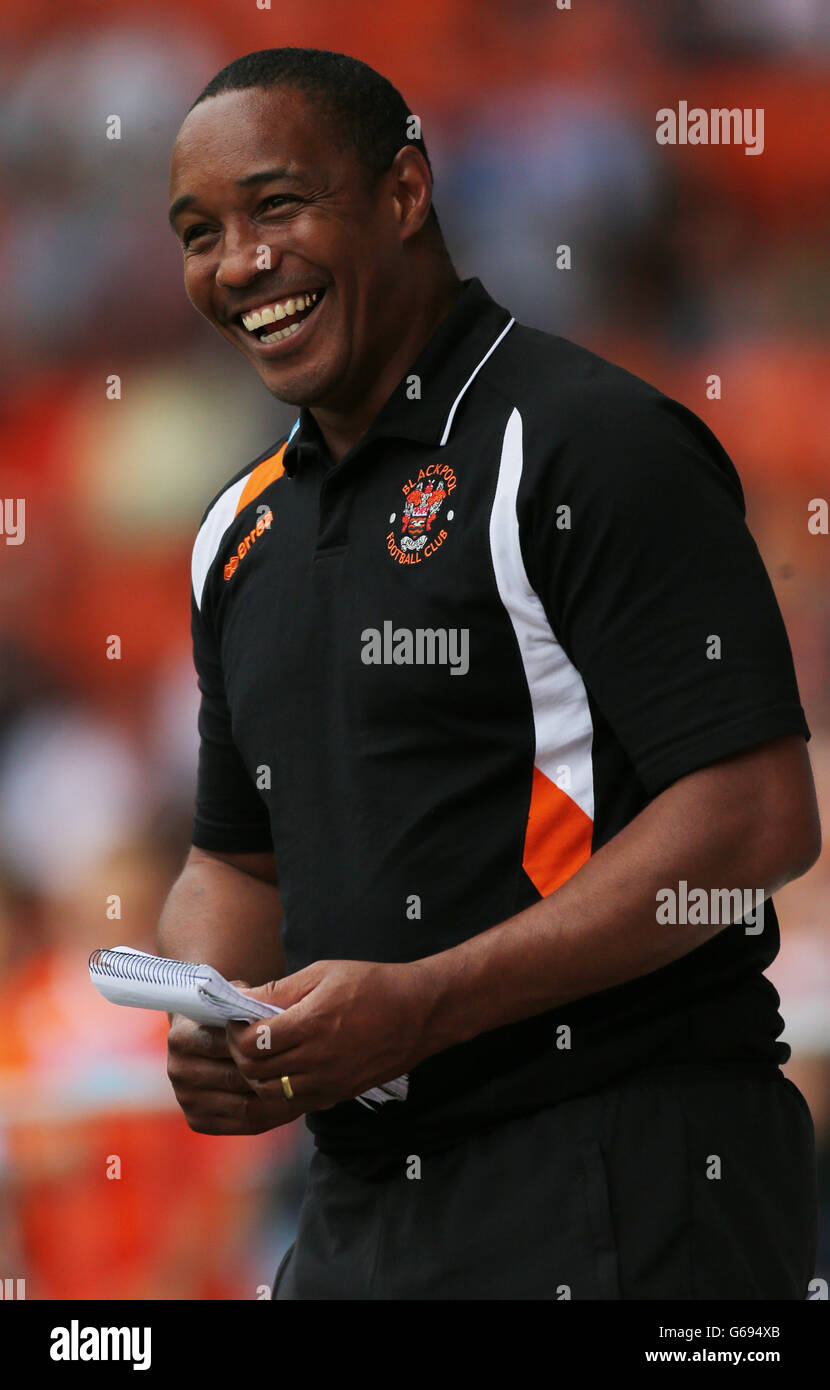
[277, 216]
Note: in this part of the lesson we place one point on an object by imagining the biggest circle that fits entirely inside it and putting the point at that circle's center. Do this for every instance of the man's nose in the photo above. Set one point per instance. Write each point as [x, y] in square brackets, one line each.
[242, 258]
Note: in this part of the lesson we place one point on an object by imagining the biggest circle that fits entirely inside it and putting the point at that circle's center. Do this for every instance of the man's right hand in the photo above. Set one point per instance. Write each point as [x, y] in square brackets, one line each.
[212, 1092]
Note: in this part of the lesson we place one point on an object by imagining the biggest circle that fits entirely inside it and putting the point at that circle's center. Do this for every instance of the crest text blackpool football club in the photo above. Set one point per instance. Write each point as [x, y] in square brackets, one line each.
[419, 529]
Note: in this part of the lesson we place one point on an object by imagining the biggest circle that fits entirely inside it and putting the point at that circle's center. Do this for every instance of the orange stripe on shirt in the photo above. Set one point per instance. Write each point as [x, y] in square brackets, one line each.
[558, 837]
[263, 475]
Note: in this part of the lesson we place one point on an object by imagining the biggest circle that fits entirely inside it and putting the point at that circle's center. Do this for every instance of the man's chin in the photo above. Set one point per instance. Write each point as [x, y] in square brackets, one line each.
[307, 388]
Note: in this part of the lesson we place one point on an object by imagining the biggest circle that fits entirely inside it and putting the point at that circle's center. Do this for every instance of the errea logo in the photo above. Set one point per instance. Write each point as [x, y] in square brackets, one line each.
[263, 524]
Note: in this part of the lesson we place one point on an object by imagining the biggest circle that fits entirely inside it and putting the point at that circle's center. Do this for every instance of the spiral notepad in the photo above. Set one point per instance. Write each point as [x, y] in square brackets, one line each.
[135, 978]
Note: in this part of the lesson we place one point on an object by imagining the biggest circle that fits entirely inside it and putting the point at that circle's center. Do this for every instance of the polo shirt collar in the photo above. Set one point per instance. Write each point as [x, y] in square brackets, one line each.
[446, 367]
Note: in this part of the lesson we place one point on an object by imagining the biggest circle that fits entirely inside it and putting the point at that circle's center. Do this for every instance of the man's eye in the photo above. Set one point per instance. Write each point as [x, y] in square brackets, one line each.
[192, 233]
[278, 200]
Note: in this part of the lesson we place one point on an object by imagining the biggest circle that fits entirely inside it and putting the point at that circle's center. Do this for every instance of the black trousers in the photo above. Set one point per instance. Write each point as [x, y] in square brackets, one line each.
[681, 1183]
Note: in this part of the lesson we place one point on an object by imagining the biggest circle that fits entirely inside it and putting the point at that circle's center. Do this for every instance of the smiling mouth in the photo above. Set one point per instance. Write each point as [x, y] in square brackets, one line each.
[288, 314]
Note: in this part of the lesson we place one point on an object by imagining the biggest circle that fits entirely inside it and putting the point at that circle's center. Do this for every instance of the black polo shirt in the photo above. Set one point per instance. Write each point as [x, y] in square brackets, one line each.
[437, 676]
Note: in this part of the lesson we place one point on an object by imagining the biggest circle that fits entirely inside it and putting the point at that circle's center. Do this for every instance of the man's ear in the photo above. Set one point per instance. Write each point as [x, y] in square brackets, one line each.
[411, 185]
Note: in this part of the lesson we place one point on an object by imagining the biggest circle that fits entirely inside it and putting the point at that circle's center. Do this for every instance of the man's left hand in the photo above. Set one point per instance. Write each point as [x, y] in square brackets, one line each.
[348, 1025]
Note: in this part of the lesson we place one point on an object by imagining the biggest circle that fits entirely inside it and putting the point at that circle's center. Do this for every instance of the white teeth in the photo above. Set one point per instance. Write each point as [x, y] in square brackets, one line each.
[272, 312]
[281, 333]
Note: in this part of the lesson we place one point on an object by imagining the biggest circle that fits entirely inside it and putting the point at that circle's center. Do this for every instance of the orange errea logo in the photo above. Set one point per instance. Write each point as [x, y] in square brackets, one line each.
[245, 544]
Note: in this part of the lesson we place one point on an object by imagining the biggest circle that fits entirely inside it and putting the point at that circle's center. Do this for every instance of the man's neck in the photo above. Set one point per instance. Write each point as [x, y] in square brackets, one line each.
[341, 429]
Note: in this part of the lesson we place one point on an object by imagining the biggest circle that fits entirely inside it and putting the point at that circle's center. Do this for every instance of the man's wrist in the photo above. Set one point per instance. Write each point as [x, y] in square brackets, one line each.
[447, 1001]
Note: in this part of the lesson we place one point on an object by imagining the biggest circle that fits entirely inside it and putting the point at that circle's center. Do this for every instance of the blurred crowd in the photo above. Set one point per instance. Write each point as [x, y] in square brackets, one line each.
[685, 262]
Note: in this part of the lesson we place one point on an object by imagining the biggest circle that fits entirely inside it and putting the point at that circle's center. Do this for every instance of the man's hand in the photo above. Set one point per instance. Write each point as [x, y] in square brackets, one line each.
[215, 1097]
[349, 1025]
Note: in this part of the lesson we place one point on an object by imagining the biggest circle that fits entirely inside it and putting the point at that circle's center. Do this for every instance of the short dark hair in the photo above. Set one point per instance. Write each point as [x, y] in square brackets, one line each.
[371, 113]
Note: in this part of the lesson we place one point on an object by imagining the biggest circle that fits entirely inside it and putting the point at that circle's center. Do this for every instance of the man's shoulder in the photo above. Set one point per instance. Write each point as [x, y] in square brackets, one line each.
[234, 485]
[550, 376]
[234, 497]
[610, 424]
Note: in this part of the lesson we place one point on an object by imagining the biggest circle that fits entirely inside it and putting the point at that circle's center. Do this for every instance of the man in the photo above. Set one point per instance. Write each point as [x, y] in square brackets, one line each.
[526, 777]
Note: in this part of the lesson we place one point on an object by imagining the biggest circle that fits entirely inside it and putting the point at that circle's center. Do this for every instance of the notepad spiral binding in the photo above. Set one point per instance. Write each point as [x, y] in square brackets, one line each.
[155, 969]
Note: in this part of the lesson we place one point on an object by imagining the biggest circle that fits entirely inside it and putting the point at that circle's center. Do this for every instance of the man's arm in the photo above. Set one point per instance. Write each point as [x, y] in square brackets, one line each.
[749, 821]
[224, 909]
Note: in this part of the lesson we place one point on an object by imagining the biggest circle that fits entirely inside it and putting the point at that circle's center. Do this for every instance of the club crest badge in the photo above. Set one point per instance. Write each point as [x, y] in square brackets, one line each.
[421, 526]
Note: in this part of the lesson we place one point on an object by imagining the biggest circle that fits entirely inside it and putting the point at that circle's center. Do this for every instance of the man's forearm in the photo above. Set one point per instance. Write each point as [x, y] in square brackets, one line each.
[601, 927]
[228, 918]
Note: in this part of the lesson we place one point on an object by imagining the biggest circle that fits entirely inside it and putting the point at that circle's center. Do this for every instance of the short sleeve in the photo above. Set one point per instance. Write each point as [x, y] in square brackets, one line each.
[230, 814]
[634, 537]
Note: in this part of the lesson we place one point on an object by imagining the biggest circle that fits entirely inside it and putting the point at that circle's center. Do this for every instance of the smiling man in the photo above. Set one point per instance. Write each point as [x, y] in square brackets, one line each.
[464, 881]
